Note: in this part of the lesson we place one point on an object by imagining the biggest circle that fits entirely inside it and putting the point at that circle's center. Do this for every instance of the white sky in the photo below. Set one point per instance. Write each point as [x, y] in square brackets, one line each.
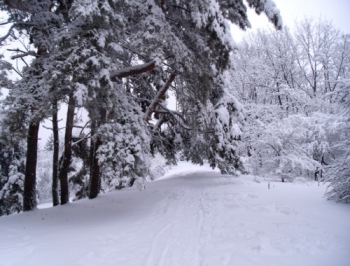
[337, 11]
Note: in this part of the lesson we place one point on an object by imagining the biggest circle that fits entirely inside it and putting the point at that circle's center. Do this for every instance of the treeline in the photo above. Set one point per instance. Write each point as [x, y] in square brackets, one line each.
[295, 87]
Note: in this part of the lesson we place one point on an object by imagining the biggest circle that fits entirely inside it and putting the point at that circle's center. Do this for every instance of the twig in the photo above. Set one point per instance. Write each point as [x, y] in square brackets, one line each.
[14, 69]
[24, 54]
[5, 23]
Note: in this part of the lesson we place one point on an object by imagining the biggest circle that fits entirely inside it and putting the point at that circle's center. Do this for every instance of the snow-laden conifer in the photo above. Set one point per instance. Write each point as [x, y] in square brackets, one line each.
[84, 52]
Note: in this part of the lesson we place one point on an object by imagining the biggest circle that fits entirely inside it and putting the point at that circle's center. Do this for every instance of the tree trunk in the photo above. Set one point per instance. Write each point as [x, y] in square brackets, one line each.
[94, 167]
[67, 155]
[95, 178]
[29, 194]
[55, 197]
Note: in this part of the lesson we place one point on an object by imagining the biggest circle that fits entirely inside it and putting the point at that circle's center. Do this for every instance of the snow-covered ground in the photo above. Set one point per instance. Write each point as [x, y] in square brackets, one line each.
[192, 216]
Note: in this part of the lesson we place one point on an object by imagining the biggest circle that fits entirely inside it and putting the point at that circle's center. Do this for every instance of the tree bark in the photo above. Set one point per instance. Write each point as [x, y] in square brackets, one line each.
[133, 70]
[55, 196]
[29, 194]
[159, 96]
[67, 154]
[95, 177]
[94, 167]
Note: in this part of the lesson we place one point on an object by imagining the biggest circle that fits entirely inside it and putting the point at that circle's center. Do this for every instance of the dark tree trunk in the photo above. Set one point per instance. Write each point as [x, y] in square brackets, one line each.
[29, 194]
[94, 167]
[95, 178]
[67, 154]
[55, 197]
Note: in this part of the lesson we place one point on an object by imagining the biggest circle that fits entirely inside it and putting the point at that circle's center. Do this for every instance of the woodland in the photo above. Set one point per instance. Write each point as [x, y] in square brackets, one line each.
[275, 104]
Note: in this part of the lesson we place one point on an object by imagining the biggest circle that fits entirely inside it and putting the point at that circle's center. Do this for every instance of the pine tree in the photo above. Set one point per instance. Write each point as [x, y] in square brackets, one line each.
[12, 155]
[87, 51]
[38, 21]
[11, 193]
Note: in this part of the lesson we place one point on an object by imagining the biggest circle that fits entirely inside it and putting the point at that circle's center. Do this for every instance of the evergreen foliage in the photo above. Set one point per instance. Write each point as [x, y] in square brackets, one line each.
[118, 60]
[11, 193]
[266, 106]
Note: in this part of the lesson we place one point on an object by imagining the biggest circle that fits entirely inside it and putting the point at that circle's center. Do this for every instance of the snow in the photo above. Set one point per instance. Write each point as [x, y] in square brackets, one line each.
[116, 47]
[116, 73]
[80, 92]
[271, 11]
[190, 216]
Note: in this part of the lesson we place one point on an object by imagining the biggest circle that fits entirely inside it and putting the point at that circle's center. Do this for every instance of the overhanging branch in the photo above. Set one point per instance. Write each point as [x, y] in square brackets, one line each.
[6, 22]
[159, 96]
[133, 70]
[175, 115]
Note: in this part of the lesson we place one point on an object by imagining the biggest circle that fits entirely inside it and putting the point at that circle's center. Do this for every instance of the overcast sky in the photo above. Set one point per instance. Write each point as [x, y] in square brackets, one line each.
[337, 11]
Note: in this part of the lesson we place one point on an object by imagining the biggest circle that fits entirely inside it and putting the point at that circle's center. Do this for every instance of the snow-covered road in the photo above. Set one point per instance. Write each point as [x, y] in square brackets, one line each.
[192, 217]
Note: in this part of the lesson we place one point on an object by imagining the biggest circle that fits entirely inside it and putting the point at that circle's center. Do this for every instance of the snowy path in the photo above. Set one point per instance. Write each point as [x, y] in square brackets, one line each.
[189, 219]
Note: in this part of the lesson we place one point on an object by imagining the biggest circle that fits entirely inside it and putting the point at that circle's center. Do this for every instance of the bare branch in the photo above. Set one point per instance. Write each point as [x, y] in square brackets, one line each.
[85, 137]
[175, 115]
[24, 62]
[23, 53]
[50, 128]
[82, 129]
[18, 73]
[5, 23]
[57, 120]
